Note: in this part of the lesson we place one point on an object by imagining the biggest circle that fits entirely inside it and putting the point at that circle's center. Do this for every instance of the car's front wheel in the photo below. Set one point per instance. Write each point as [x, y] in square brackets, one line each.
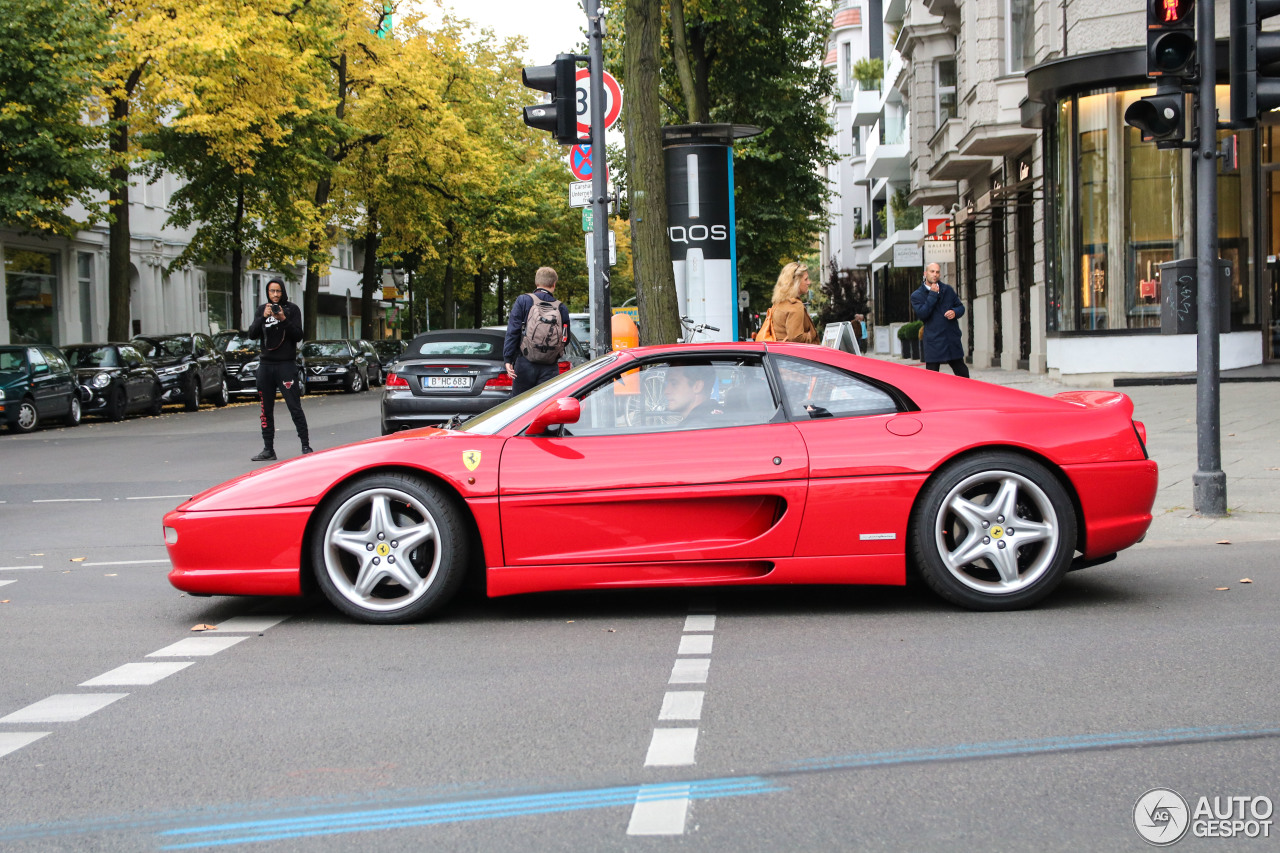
[995, 531]
[117, 404]
[28, 416]
[157, 400]
[222, 395]
[389, 548]
[191, 395]
[356, 385]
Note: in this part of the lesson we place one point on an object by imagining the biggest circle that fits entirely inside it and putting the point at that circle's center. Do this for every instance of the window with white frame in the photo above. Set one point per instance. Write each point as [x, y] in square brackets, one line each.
[1017, 35]
[846, 65]
[945, 89]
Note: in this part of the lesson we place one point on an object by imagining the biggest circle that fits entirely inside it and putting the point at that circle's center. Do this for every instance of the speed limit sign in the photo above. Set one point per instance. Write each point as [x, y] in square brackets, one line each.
[612, 100]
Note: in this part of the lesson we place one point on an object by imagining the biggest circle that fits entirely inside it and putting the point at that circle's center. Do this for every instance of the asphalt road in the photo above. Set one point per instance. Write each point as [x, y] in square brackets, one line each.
[830, 718]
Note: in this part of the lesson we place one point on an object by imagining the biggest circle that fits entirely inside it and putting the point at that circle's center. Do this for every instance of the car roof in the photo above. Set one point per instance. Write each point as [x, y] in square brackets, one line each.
[462, 334]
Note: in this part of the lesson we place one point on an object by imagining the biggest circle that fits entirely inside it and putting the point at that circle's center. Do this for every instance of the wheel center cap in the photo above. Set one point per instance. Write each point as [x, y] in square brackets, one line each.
[383, 549]
[997, 531]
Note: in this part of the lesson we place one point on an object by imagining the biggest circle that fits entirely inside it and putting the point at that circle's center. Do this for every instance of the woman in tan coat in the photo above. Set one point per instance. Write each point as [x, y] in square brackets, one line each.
[790, 317]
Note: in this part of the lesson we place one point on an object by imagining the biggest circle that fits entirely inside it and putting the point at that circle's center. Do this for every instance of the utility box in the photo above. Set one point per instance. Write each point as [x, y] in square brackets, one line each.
[1179, 295]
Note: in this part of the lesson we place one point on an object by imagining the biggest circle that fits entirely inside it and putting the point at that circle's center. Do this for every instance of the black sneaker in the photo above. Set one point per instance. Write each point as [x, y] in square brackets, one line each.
[265, 456]
[306, 448]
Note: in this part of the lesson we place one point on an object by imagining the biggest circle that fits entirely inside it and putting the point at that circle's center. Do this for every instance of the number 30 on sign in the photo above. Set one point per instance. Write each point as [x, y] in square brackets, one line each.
[612, 100]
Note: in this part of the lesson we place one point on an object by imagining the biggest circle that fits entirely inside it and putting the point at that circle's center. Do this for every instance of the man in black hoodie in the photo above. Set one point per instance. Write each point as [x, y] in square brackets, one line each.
[279, 326]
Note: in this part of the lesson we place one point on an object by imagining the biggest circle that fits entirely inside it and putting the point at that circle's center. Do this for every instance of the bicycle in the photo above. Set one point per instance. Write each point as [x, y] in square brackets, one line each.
[692, 330]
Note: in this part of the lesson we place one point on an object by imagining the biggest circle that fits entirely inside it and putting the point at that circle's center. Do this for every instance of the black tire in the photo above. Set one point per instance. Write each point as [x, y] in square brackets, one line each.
[222, 395]
[994, 531]
[381, 517]
[356, 383]
[75, 413]
[191, 395]
[302, 383]
[28, 417]
[157, 401]
[118, 404]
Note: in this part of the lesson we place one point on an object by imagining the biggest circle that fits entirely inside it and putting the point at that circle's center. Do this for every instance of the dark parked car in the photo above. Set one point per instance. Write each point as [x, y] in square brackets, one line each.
[241, 356]
[389, 349]
[376, 374]
[189, 367]
[449, 373]
[117, 378]
[336, 364]
[36, 384]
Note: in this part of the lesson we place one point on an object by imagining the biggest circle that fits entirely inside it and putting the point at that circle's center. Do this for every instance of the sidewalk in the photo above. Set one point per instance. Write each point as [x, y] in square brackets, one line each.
[1250, 449]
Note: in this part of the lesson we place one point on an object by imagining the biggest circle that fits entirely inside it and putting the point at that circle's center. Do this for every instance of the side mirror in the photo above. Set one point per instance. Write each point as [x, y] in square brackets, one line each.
[562, 410]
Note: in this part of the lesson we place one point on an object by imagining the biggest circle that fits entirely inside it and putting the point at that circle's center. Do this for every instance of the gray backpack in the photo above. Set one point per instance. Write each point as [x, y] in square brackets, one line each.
[543, 338]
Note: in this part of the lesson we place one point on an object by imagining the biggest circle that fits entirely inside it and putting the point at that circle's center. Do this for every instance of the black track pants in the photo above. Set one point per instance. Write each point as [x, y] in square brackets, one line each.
[282, 376]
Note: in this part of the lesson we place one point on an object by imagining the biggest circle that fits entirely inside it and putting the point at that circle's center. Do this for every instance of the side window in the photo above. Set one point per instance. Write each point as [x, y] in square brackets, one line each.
[820, 391]
[203, 345]
[36, 358]
[57, 362]
[678, 394]
[129, 355]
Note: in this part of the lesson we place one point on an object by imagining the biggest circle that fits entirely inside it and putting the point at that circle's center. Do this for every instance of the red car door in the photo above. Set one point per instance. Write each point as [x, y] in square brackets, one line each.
[642, 492]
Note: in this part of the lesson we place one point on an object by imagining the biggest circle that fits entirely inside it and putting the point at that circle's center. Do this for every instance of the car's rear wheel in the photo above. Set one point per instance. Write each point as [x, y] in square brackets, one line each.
[302, 383]
[994, 531]
[157, 400]
[117, 404]
[191, 395]
[28, 416]
[75, 413]
[223, 394]
[389, 548]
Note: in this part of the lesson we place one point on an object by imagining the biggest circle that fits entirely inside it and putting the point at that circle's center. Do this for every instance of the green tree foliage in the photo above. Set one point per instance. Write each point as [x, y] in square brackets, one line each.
[50, 156]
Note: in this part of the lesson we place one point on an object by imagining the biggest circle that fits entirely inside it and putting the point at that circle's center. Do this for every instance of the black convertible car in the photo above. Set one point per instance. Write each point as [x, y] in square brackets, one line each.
[118, 379]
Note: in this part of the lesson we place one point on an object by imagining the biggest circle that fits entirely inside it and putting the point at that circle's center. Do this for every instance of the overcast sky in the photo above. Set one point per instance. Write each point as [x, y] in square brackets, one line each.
[549, 26]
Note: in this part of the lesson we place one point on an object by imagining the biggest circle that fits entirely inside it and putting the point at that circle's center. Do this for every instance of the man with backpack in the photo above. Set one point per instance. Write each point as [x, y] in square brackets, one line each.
[536, 334]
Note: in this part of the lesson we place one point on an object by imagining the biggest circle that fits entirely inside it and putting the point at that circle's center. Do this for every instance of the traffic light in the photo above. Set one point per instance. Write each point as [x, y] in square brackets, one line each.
[1160, 117]
[561, 115]
[1171, 38]
[1255, 59]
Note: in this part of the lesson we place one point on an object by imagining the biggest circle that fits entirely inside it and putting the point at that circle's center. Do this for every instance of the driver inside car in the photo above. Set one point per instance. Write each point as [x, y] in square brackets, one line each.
[687, 391]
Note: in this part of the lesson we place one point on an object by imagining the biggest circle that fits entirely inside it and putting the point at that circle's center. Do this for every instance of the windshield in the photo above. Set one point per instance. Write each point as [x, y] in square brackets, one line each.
[319, 348]
[13, 361]
[485, 347]
[497, 418]
[387, 348]
[241, 345]
[92, 356]
[164, 347]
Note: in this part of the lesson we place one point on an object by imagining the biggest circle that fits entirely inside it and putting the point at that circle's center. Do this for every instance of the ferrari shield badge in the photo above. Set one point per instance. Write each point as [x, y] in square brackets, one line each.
[471, 458]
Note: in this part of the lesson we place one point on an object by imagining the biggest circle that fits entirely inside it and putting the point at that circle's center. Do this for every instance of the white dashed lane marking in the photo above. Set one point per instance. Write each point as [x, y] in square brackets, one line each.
[125, 563]
[137, 674]
[695, 644]
[672, 748]
[68, 501]
[690, 671]
[3, 583]
[9, 741]
[63, 708]
[700, 622]
[158, 498]
[18, 568]
[250, 624]
[660, 810]
[197, 647]
[681, 705]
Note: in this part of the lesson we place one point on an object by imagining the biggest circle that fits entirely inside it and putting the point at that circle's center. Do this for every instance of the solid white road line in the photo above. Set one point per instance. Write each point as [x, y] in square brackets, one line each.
[250, 624]
[664, 816]
[690, 671]
[672, 748]
[9, 741]
[157, 497]
[695, 644]
[63, 708]
[18, 568]
[196, 647]
[68, 501]
[681, 705]
[700, 623]
[125, 563]
[137, 674]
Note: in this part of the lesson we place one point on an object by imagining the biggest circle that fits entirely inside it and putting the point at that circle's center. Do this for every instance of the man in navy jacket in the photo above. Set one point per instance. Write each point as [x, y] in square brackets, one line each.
[937, 304]
[526, 374]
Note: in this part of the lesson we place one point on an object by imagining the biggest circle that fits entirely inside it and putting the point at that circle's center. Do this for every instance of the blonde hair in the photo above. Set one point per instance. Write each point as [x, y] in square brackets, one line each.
[788, 286]
[545, 277]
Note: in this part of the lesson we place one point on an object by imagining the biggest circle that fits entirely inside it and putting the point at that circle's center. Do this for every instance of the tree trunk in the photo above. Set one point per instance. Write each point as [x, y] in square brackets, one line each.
[694, 95]
[315, 257]
[237, 261]
[371, 275]
[446, 310]
[646, 171]
[477, 306]
[118, 236]
[502, 297]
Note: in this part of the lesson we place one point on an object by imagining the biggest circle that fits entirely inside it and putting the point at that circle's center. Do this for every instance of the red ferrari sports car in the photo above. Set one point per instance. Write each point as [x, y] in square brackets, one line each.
[693, 465]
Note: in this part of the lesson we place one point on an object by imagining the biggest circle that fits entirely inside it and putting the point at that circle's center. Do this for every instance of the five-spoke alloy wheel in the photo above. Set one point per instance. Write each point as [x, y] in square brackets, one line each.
[389, 548]
[994, 531]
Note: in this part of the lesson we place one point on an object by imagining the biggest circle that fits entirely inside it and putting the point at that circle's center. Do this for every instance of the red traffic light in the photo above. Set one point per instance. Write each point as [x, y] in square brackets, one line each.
[1170, 11]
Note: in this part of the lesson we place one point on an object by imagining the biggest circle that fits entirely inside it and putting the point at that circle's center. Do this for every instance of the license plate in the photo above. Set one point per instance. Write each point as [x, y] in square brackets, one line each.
[448, 381]
[318, 379]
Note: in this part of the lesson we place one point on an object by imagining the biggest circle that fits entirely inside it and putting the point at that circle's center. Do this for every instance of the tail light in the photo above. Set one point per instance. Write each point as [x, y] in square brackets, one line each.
[395, 380]
[563, 365]
[498, 383]
[1141, 429]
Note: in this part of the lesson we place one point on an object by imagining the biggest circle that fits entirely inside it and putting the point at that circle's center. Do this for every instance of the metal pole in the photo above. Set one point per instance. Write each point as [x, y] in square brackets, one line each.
[601, 329]
[1209, 482]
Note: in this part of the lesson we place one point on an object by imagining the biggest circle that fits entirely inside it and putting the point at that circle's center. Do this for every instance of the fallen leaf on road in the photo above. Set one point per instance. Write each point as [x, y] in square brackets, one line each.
[1245, 580]
[1231, 433]
[111, 575]
[41, 553]
[1224, 541]
[78, 559]
[1222, 588]
[205, 628]
[5, 601]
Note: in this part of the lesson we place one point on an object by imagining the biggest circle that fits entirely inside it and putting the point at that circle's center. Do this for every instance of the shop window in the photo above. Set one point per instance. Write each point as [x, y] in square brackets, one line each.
[1017, 35]
[30, 295]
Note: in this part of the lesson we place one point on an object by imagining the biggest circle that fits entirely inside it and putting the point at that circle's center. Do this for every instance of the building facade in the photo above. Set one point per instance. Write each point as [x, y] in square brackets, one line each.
[1010, 114]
